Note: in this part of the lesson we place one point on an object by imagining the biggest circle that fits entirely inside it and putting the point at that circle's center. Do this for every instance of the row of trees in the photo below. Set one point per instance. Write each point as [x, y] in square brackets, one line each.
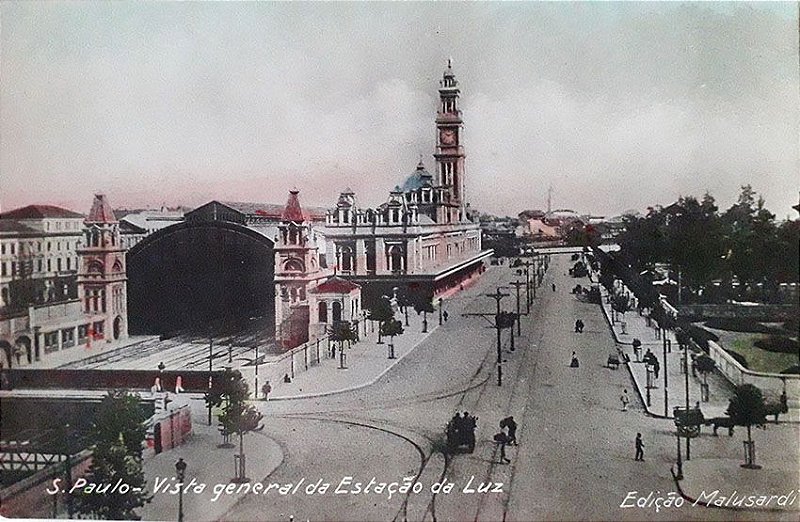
[745, 242]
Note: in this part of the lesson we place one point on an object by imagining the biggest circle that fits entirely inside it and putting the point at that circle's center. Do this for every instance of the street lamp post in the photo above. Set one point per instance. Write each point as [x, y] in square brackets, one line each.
[440, 312]
[686, 382]
[666, 389]
[180, 473]
[210, 359]
[649, 369]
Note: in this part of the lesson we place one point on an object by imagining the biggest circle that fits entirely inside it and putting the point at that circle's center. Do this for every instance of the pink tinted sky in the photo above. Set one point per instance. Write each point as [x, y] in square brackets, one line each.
[616, 105]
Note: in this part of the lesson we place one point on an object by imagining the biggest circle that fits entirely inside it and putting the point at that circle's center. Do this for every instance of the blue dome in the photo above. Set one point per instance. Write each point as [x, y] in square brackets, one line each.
[418, 179]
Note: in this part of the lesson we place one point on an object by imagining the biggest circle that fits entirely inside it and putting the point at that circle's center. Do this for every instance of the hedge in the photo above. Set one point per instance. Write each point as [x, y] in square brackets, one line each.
[736, 325]
[774, 343]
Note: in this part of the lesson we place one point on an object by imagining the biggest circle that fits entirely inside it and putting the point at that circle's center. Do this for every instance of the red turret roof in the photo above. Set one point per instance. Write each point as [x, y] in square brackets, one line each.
[335, 285]
[101, 211]
[293, 212]
[40, 212]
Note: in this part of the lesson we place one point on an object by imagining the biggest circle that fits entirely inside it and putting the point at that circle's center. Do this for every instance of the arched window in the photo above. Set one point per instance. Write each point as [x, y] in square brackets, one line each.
[293, 265]
[337, 311]
[395, 258]
[323, 312]
[117, 266]
[346, 258]
[96, 267]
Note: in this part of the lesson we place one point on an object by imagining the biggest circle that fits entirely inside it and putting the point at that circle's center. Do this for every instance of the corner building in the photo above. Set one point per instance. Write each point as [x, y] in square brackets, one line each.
[421, 240]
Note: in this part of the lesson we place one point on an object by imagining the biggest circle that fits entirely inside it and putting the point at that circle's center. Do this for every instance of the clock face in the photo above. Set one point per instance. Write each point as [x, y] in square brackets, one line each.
[448, 137]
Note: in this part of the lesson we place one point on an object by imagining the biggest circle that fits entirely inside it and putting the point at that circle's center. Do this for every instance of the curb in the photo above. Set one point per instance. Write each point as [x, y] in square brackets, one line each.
[630, 371]
[357, 386]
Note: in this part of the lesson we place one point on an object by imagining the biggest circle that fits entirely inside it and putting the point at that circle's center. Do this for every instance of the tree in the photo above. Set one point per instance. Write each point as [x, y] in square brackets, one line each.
[381, 311]
[237, 416]
[621, 304]
[391, 328]
[404, 301]
[751, 232]
[117, 434]
[705, 365]
[341, 332]
[425, 307]
[746, 408]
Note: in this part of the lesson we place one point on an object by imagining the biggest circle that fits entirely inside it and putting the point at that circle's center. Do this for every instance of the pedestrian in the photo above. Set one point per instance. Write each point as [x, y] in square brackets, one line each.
[656, 366]
[445, 315]
[554, 287]
[266, 389]
[502, 439]
[624, 400]
[577, 326]
[637, 349]
[161, 367]
[509, 423]
[286, 378]
[574, 363]
[639, 448]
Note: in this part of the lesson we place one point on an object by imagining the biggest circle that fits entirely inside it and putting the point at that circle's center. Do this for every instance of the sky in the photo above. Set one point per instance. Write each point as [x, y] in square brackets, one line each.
[617, 106]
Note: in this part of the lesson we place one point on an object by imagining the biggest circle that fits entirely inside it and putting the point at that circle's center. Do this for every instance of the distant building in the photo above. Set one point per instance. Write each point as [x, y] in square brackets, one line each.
[137, 224]
[57, 292]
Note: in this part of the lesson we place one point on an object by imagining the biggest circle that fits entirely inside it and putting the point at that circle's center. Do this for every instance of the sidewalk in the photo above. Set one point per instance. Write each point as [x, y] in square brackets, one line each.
[206, 464]
[715, 463]
[720, 390]
[367, 361]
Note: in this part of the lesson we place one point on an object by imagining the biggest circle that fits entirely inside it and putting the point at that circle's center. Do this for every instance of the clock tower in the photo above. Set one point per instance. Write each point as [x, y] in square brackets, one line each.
[449, 151]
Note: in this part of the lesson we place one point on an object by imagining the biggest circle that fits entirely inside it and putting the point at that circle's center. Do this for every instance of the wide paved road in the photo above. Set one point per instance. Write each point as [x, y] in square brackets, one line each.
[575, 459]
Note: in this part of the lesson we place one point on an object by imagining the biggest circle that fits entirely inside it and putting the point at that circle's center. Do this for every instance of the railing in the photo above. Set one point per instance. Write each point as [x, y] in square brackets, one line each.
[296, 360]
[772, 384]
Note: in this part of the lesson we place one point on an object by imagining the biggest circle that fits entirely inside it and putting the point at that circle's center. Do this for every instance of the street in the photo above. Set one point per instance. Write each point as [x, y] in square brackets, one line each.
[574, 460]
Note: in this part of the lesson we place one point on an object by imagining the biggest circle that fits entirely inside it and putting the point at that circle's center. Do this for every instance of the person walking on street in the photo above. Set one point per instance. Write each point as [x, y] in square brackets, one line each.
[639, 448]
[502, 439]
[509, 423]
[554, 287]
[445, 315]
[574, 363]
[624, 400]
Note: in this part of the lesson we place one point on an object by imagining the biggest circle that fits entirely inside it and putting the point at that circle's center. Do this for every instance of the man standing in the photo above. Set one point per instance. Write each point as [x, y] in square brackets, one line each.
[624, 400]
[639, 448]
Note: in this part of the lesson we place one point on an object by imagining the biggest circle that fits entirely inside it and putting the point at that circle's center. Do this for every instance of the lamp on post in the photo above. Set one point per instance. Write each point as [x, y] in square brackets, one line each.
[180, 473]
[210, 362]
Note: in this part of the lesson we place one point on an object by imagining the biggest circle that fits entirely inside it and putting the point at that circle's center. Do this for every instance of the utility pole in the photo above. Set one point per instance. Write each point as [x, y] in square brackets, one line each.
[497, 296]
[528, 265]
[686, 380]
[517, 284]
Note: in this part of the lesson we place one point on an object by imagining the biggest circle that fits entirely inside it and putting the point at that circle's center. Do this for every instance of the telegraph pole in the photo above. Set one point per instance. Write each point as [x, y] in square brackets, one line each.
[497, 296]
[517, 284]
[528, 265]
